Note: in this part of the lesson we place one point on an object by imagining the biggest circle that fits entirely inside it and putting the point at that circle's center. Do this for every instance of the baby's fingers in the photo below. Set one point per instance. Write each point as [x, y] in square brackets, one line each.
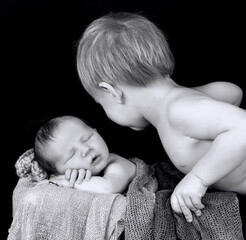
[88, 175]
[68, 173]
[73, 177]
[81, 176]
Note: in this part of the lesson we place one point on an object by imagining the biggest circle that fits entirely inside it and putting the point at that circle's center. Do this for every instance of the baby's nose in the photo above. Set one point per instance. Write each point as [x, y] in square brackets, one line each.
[85, 150]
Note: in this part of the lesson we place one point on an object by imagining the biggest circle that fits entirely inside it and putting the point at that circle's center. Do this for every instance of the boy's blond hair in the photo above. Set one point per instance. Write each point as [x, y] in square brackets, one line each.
[123, 48]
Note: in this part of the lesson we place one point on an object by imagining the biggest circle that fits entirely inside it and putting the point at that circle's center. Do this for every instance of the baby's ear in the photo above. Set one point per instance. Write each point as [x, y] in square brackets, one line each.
[115, 92]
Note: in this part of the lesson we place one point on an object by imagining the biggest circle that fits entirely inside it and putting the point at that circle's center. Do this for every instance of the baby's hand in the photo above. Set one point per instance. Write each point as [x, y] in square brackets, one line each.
[77, 176]
[59, 180]
[187, 196]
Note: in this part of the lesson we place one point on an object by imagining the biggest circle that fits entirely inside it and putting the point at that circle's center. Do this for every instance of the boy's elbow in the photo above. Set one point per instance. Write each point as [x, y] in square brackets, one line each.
[240, 136]
[239, 94]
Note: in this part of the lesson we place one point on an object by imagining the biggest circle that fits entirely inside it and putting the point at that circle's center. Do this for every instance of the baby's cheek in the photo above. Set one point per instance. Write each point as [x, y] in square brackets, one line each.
[61, 169]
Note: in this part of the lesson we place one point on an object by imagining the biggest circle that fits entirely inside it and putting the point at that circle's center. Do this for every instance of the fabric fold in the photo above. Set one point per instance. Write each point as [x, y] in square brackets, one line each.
[48, 212]
[45, 211]
[149, 214]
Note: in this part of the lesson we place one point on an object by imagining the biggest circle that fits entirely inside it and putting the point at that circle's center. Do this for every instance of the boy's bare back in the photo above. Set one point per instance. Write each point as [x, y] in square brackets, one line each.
[204, 138]
[190, 125]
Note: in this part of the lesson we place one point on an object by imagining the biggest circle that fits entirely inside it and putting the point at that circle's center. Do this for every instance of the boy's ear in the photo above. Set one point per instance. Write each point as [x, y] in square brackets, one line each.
[115, 92]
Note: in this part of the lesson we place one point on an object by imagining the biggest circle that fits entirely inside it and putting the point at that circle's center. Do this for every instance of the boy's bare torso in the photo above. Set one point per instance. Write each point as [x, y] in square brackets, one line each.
[185, 151]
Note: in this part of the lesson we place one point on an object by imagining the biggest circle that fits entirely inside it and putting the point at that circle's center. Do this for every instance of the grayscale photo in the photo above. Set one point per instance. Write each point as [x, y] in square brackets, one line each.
[123, 120]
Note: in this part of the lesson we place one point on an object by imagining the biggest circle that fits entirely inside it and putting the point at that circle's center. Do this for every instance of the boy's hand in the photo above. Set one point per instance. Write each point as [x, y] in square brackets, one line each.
[77, 176]
[187, 196]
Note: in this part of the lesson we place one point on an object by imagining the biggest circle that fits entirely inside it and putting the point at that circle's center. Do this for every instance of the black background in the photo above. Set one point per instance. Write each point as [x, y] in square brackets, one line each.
[39, 78]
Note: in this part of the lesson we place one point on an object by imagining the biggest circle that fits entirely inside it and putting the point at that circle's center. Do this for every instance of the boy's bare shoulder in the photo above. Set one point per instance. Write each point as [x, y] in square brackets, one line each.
[184, 103]
[192, 110]
[184, 97]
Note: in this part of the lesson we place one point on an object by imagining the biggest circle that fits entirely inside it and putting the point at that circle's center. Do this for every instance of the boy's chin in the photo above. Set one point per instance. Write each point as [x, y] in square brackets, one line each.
[138, 128]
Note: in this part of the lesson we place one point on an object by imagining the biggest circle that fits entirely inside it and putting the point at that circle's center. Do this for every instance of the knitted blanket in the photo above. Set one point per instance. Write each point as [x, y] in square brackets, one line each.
[149, 214]
[45, 211]
[48, 212]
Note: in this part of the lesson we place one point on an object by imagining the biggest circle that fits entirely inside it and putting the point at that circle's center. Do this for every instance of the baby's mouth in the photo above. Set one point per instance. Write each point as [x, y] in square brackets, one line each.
[94, 159]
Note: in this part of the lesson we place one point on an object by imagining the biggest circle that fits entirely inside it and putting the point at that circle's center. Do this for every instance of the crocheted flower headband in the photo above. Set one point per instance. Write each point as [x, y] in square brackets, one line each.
[27, 167]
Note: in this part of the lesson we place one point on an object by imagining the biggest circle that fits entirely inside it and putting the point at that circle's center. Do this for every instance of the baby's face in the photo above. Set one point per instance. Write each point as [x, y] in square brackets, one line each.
[77, 146]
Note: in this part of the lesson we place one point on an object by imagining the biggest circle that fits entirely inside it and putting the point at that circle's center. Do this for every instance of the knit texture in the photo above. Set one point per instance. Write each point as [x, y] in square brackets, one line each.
[46, 212]
[149, 214]
[27, 167]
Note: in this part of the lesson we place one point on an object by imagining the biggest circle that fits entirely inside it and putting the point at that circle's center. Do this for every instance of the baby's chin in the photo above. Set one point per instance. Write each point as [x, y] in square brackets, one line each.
[97, 170]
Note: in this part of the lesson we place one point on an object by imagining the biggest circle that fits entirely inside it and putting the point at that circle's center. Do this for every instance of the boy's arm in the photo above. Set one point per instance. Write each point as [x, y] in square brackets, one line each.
[223, 91]
[222, 123]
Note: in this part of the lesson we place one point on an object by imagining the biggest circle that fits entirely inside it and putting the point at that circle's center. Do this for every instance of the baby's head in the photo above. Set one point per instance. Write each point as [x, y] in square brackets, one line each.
[123, 49]
[68, 142]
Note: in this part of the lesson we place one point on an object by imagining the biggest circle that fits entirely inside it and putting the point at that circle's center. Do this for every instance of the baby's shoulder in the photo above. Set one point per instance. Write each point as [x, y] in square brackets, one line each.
[118, 164]
[116, 159]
